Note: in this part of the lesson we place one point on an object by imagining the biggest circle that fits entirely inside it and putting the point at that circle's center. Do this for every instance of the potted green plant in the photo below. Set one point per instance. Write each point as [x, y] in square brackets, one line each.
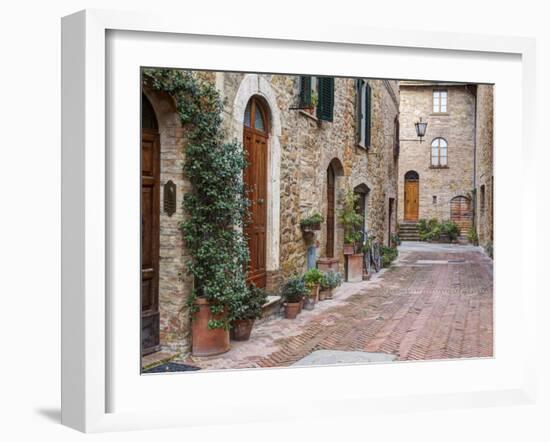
[352, 223]
[293, 292]
[245, 309]
[312, 279]
[326, 285]
[311, 223]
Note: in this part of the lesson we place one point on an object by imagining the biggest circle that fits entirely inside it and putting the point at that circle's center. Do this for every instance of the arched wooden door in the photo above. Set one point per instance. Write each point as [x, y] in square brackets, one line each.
[461, 213]
[255, 140]
[331, 201]
[411, 199]
[150, 235]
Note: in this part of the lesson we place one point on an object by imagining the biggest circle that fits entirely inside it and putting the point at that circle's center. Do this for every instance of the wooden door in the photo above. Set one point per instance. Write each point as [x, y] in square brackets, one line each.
[255, 178]
[150, 214]
[411, 200]
[331, 179]
[461, 213]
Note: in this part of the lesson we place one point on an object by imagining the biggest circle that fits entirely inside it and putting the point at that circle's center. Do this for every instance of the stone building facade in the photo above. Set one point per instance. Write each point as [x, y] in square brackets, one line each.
[441, 166]
[354, 148]
[442, 176]
[484, 164]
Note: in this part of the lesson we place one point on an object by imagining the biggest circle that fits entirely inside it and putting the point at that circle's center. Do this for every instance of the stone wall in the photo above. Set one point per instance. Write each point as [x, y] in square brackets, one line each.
[456, 126]
[484, 164]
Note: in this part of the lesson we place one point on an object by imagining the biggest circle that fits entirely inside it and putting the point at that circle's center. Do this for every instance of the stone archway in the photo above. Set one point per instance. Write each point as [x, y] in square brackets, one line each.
[255, 85]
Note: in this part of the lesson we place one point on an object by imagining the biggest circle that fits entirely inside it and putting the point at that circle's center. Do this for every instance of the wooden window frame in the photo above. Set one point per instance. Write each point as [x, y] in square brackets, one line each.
[438, 165]
[439, 110]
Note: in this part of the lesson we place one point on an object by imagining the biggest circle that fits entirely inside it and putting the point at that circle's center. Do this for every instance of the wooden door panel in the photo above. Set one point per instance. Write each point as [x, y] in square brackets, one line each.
[255, 178]
[330, 212]
[150, 220]
[461, 213]
[411, 200]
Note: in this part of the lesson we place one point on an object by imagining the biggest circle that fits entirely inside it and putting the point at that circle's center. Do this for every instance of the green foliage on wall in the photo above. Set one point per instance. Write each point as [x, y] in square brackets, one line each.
[217, 208]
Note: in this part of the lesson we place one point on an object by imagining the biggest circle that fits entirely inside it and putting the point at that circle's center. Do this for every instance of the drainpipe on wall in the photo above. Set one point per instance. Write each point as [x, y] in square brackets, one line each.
[474, 196]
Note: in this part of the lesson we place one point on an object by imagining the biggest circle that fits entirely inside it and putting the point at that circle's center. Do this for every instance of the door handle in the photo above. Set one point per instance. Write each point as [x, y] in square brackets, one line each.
[260, 201]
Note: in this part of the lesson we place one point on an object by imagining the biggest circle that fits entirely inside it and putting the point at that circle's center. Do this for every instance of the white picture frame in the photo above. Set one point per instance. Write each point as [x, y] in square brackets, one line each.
[89, 375]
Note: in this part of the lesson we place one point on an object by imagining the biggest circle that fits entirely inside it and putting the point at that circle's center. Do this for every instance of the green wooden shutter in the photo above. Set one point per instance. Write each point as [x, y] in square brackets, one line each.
[368, 116]
[325, 92]
[358, 112]
[305, 91]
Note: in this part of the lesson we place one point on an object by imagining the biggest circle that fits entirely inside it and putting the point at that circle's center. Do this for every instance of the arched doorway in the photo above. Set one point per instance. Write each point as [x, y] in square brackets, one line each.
[150, 234]
[334, 169]
[361, 205]
[255, 141]
[411, 199]
[461, 213]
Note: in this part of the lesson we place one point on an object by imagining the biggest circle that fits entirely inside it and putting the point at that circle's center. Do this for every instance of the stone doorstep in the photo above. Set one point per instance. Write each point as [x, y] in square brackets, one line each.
[271, 308]
[157, 358]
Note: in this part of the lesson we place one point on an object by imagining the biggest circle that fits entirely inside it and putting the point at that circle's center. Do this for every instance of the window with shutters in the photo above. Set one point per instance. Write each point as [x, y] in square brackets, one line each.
[439, 153]
[317, 96]
[439, 101]
[364, 111]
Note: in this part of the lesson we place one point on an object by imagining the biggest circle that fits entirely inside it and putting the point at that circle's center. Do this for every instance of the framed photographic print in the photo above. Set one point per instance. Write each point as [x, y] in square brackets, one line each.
[277, 223]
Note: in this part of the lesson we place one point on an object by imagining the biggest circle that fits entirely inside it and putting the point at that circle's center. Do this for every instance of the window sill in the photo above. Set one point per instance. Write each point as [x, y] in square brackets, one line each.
[440, 114]
[362, 147]
[309, 115]
[439, 167]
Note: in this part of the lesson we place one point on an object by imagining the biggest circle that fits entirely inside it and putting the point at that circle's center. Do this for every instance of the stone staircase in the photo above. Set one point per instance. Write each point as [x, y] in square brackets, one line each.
[408, 231]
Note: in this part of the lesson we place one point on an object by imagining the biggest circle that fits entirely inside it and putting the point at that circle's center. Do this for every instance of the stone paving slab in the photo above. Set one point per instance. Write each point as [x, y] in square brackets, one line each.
[409, 311]
[330, 357]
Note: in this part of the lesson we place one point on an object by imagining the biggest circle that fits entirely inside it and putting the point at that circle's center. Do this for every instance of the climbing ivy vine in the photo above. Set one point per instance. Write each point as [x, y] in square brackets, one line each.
[216, 208]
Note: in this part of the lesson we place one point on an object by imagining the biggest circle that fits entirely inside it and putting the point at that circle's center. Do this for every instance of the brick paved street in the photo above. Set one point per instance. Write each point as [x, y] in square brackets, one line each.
[435, 302]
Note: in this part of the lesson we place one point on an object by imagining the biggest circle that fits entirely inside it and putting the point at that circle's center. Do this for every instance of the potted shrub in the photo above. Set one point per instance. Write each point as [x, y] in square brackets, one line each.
[324, 287]
[334, 279]
[245, 310]
[293, 292]
[312, 279]
[352, 223]
[311, 223]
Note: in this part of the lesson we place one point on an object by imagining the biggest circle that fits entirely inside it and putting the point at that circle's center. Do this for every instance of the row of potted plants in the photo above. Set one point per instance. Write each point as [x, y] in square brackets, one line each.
[303, 292]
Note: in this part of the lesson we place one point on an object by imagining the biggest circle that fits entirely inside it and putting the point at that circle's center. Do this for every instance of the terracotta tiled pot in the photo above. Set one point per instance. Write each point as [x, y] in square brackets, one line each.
[206, 341]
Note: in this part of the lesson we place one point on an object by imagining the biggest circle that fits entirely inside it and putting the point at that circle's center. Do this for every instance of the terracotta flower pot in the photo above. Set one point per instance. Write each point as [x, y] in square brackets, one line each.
[309, 303]
[206, 341]
[291, 309]
[348, 249]
[241, 329]
[324, 294]
[355, 268]
[314, 293]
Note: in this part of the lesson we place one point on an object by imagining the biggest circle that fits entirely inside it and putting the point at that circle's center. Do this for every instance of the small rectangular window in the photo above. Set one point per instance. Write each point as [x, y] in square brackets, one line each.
[434, 199]
[439, 101]
[482, 198]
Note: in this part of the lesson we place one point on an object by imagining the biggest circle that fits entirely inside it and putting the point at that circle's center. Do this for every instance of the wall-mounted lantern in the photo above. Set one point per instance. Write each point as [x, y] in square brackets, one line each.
[420, 129]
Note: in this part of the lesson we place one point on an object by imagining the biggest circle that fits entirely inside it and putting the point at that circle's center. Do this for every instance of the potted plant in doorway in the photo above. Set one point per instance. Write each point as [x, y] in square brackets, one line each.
[352, 223]
[293, 292]
[245, 309]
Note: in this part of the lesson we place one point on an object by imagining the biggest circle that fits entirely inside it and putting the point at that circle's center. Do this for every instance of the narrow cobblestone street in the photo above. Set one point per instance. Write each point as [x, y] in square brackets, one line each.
[435, 302]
